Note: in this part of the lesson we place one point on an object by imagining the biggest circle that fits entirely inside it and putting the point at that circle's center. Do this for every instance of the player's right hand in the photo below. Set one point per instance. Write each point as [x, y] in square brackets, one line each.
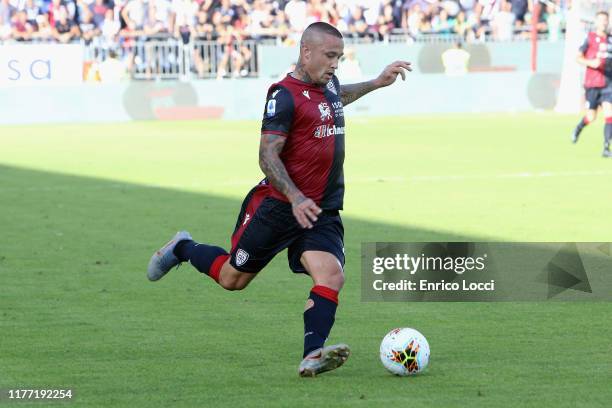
[594, 63]
[305, 211]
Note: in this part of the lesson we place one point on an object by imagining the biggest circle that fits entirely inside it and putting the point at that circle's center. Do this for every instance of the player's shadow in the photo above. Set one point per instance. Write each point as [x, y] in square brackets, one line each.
[101, 232]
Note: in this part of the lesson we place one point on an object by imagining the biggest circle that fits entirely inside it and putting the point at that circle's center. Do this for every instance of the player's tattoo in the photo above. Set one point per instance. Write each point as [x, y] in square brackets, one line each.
[270, 163]
[352, 92]
[302, 74]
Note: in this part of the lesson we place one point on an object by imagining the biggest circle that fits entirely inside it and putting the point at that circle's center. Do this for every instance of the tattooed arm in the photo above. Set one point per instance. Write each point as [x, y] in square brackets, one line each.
[352, 92]
[304, 209]
[270, 163]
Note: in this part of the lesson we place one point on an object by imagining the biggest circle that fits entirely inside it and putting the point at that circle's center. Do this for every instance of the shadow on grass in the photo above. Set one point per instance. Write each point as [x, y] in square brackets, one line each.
[66, 217]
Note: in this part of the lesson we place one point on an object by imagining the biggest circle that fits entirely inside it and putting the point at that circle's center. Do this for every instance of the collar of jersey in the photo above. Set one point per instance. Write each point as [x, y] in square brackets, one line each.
[305, 84]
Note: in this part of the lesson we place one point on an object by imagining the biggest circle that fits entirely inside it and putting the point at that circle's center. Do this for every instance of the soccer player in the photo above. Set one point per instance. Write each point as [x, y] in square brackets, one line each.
[590, 55]
[296, 206]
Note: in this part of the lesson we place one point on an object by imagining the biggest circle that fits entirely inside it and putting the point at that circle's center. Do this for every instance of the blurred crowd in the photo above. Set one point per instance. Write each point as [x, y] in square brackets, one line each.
[224, 21]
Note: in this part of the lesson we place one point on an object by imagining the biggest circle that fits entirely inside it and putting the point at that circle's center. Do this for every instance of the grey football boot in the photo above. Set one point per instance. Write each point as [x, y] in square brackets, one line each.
[324, 359]
[164, 259]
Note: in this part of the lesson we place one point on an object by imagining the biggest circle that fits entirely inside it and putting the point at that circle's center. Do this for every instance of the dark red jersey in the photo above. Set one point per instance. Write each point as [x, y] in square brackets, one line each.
[312, 120]
[595, 46]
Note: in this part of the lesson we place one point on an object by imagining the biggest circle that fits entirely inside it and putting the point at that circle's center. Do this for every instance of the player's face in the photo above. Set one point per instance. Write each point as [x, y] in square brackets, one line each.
[322, 60]
[601, 23]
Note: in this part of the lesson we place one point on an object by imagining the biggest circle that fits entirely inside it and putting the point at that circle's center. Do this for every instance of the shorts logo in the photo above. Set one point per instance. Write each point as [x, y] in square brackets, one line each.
[241, 257]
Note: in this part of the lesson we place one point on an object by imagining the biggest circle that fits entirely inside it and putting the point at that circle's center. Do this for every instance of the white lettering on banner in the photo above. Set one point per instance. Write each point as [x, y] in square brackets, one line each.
[40, 64]
[328, 130]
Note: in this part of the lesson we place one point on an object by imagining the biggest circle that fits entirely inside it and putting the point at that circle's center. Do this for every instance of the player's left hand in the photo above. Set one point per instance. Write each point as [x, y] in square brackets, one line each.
[390, 73]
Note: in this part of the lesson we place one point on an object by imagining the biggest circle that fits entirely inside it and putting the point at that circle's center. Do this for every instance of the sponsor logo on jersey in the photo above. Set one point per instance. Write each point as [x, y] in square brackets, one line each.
[328, 130]
[338, 108]
[325, 111]
[241, 257]
[332, 87]
[271, 108]
[305, 93]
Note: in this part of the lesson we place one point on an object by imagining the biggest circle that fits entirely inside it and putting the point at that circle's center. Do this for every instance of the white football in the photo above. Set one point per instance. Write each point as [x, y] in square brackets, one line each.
[404, 352]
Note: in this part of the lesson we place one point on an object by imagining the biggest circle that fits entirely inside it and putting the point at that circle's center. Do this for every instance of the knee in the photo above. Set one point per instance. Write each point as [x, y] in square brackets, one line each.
[233, 284]
[333, 280]
[591, 115]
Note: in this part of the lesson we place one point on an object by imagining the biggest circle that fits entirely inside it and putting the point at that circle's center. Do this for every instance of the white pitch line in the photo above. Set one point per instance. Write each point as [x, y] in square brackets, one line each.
[196, 187]
[542, 174]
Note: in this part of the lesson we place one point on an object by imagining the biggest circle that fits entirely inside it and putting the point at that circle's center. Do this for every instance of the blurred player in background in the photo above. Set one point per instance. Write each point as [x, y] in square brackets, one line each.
[297, 206]
[593, 54]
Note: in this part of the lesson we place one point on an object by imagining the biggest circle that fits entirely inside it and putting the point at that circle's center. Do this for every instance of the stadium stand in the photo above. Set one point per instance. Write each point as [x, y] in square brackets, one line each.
[219, 38]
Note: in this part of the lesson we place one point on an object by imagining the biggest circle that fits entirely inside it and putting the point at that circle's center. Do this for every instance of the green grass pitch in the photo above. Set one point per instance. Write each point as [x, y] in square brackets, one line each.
[82, 207]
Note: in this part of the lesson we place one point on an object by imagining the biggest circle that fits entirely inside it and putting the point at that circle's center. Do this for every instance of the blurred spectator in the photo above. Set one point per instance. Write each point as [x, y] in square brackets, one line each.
[441, 24]
[184, 12]
[136, 27]
[456, 60]
[203, 28]
[52, 10]
[281, 29]
[503, 23]
[519, 9]
[414, 19]
[467, 5]
[5, 28]
[110, 28]
[357, 25]
[296, 13]
[111, 70]
[462, 26]
[228, 13]
[280, 19]
[22, 29]
[348, 68]
[6, 11]
[88, 28]
[32, 11]
[234, 52]
[98, 9]
[45, 31]
[65, 29]
[553, 21]
[162, 13]
[260, 19]
[134, 14]
[154, 23]
[386, 22]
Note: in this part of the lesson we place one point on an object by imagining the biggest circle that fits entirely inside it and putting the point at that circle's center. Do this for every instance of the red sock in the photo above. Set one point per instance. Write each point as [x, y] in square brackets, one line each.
[215, 268]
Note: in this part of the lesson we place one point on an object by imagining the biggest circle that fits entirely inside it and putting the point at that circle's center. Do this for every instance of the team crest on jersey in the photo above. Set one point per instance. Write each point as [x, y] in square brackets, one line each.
[241, 257]
[325, 111]
[332, 87]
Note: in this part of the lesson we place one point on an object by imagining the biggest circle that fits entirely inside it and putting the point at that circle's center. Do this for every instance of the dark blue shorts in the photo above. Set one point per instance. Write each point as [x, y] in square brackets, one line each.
[266, 226]
[593, 97]
[606, 93]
